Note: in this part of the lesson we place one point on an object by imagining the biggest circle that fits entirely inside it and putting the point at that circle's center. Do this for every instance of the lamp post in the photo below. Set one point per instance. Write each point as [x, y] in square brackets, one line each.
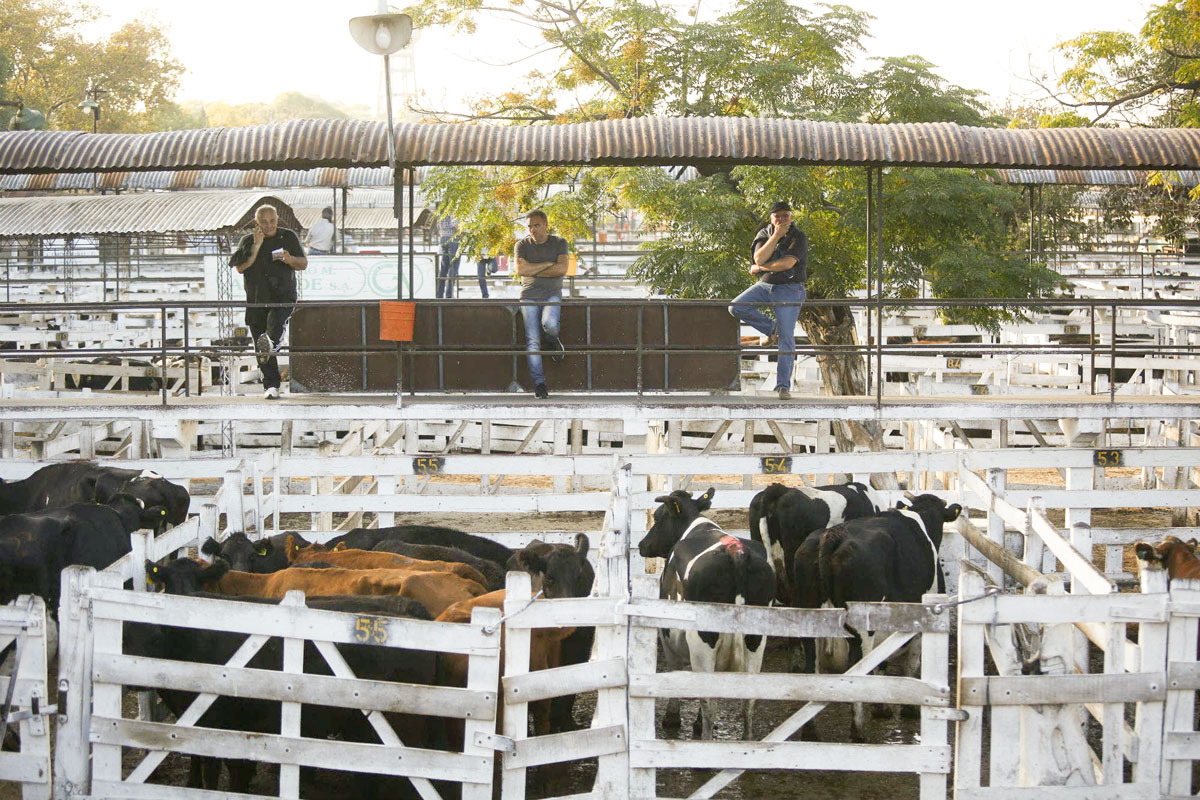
[382, 34]
[89, 103]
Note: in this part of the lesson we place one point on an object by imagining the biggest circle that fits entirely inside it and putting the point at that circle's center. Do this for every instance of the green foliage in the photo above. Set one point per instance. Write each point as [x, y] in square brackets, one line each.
[52, 65]
[1150, 77]
[627, 58]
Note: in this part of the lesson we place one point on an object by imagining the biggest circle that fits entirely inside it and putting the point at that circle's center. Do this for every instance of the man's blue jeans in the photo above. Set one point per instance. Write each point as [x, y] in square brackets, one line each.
[539, 317]
[745, 308]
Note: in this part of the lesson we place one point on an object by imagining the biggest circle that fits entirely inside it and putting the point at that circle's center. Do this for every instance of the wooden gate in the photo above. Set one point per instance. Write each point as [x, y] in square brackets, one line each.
[96, 667]
[24, 701]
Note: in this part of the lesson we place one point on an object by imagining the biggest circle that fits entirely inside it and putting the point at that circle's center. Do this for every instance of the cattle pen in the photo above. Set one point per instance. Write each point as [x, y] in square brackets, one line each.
[1051, 666]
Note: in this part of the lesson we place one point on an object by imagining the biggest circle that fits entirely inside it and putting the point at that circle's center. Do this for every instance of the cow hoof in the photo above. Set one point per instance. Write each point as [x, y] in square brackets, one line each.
[672, 724]
[698, 726]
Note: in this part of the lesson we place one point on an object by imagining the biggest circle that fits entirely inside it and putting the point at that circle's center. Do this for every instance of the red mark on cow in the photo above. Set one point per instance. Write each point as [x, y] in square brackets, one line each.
[733, 545]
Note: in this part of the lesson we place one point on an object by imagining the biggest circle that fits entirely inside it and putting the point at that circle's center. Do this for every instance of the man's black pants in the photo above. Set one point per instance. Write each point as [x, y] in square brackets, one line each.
[271, 321]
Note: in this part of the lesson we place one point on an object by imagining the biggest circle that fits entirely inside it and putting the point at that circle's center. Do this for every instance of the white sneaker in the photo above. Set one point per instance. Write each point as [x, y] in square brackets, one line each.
[271, 394]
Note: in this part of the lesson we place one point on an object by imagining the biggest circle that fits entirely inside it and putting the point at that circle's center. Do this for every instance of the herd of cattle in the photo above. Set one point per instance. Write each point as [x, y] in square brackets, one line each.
[809, 548]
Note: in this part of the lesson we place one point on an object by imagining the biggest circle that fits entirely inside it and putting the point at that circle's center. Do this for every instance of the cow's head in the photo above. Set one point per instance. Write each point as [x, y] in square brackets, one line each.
[297, 549]
[149, 487]
[136, 515]
[559, 570]
[671, 519]
[183, 575]
[1169, 554]
[934, 512]
[241, 552]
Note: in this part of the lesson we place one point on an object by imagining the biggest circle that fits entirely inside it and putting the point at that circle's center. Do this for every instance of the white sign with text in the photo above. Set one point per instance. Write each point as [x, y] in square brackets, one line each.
[348, 277]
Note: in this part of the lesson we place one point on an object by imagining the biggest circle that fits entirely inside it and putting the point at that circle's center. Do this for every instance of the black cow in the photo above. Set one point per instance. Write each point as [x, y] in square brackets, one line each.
[57, 485]
[707, 565]
[561, 570]
[492, 572]
[248, 555]
[368, 538]
[320, 722]
[34, 548]
[891, 557]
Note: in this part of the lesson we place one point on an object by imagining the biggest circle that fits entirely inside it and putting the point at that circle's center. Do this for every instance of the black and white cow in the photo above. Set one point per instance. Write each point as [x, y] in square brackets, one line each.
[891, 557]
[782, 517]
[707, 565]
[67, 482]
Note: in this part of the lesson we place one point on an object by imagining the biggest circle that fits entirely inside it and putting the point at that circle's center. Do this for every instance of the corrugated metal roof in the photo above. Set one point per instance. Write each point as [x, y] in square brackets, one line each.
[366, 219]
[308, 144]
[149, 212]
[199, 179]
[1097, 177]
[312, 197]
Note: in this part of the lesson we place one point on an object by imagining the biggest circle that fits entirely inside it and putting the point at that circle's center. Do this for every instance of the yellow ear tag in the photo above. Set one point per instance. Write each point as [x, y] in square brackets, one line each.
[675, 503]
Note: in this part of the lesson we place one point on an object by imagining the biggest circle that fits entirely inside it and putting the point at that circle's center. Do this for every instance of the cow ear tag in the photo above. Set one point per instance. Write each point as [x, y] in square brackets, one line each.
[341, 546]
[262, 551]
[675, 503]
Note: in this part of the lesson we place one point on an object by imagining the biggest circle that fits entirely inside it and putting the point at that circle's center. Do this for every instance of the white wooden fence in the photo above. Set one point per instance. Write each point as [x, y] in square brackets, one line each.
[93, 733]
[24, 697]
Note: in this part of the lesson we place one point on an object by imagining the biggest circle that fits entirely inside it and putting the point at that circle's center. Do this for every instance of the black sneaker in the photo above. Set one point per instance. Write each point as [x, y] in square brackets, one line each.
[555, 346]
[262, 348]
[540, 392]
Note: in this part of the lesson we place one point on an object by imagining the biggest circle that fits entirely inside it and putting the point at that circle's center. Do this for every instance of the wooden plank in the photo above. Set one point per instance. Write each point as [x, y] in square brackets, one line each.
[514, 504]
[572, 746]
[1010, 609]
[1080, 566]
[544, 684]
[361, 693]
[790, 756]
[122, 790]
[321, 754]
[727, 618]
[1124, 791]
[272, 620]
[779, 686]
[1057, 689]
[24, 768]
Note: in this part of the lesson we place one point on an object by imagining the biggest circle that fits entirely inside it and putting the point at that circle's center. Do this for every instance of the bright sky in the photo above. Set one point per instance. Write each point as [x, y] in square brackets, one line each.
[238, 51]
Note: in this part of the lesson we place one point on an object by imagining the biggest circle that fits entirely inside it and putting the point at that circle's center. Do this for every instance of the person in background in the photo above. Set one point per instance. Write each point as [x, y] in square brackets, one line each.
[779, 259]
[485, 266]
[320, 235]
[541, 263]
[268, 259]
[449, 258]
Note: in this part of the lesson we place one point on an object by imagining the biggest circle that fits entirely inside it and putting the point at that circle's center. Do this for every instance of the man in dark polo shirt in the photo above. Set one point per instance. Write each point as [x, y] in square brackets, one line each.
[779, 258]
[269, 259]
[541, 263]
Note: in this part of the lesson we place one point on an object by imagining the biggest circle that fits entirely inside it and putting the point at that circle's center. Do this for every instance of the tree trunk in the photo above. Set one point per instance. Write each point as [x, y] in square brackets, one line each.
[843, 374]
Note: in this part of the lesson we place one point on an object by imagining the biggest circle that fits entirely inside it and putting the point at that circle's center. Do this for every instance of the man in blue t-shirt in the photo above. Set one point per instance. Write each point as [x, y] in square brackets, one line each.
[779, 258]
[268, 259]
[541, 263]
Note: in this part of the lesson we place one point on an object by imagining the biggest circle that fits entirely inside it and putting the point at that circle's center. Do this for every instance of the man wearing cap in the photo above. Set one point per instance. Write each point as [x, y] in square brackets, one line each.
[779, 259]
[320, 235]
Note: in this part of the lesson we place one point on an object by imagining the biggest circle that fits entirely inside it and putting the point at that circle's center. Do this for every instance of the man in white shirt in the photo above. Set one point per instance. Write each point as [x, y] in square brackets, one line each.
[320, 236]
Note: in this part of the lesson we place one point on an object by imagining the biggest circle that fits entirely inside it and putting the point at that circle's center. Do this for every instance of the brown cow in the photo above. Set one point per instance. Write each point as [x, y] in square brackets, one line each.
[371, 559]
[437, 591]
[544, 652]
[1174, 555]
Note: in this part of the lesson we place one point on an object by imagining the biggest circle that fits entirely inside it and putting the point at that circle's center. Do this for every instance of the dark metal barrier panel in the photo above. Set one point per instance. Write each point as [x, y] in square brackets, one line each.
[602, 342]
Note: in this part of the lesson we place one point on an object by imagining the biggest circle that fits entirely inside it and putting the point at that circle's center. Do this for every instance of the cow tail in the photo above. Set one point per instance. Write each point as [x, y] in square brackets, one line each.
[831, 540]
[741, 573]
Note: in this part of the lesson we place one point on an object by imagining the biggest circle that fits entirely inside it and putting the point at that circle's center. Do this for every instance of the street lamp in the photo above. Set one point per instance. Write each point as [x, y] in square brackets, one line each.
[382, 34]
[89, 104]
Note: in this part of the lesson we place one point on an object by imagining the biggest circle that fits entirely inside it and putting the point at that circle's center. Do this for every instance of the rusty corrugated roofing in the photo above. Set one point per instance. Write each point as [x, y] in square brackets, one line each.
[1097, 177]
[146, 212]
[366, 219]
[198, 179]
[350, 144]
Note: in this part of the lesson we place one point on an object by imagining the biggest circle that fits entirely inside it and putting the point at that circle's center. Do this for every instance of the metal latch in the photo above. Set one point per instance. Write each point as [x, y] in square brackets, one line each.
[494, 741]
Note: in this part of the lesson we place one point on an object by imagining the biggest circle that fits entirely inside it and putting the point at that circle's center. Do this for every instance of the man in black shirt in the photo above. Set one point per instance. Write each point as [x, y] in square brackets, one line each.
[542, 261]
[779, 258]
[269, 259]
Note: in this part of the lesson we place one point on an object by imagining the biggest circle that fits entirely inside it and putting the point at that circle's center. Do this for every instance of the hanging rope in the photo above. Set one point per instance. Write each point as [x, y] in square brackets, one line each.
[495, 626]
